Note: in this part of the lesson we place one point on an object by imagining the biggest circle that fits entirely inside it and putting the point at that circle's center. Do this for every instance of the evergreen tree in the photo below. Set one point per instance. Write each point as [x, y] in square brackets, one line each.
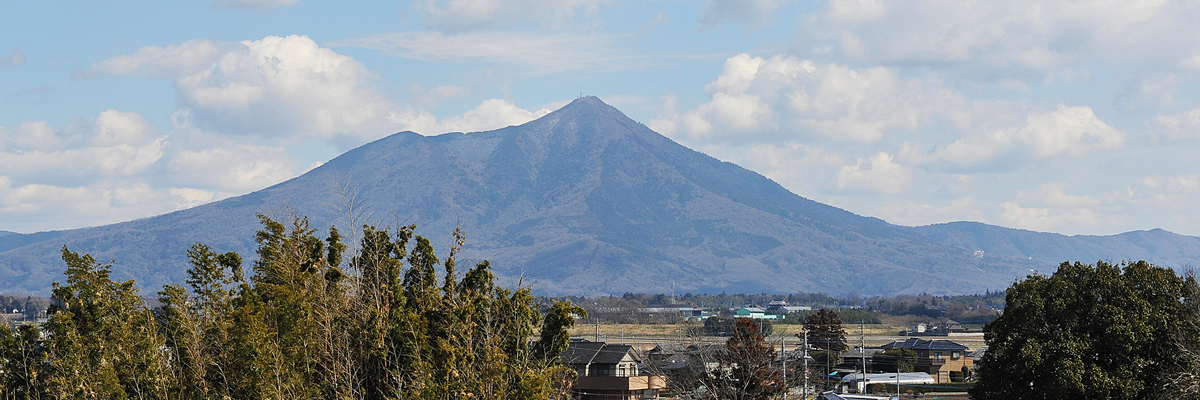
[298, 327]
[1102, 331]
[23, 363]
[825, 331]
[103, 341]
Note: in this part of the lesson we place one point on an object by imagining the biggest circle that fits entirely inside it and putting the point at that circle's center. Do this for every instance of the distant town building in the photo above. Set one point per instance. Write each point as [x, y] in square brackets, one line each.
[753, 313]
[942, 327]
[782, 307]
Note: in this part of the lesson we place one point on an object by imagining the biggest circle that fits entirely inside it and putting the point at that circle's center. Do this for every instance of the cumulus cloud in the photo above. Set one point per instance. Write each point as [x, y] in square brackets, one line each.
[878, 174]
[14, 58]
[115, 144]
[1066, 131]
[119, 166]
[1024, 39]
[1179, 126]
[750, 14]
[236, 168]
[40, 207]
[538, 54]
[275, 87]
[469, 15]
[1176, 194]
[490, 114]
[757, 98]
[1182, 184]
[254, 4]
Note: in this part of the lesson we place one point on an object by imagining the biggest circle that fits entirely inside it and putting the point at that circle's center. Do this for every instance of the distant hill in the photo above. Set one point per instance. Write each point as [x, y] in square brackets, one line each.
[1156, 246]
[587, 201]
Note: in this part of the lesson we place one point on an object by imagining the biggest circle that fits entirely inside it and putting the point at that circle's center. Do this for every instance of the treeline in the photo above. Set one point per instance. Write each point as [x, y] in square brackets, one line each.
[304, 324]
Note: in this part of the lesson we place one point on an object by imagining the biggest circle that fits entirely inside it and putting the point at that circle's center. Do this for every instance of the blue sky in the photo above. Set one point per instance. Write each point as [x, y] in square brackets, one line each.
[1069, 117]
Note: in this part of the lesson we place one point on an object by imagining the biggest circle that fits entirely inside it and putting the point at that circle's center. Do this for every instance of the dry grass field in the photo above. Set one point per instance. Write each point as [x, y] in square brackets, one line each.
[875, 334]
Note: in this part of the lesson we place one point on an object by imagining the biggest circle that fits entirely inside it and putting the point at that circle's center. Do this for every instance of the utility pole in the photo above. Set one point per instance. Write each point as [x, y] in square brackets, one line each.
[805, 364]
[862, 336]
[783, 350]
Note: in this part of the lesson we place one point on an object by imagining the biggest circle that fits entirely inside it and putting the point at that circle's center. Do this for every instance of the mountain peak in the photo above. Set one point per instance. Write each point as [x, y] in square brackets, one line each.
[587, 107]
[587, 101]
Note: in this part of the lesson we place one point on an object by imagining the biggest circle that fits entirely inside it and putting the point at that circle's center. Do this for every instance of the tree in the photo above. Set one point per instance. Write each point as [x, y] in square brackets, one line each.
[103, 341]
[1100, 331]
[23, 369]
[299, 327]
[746, 368]
[825, 331]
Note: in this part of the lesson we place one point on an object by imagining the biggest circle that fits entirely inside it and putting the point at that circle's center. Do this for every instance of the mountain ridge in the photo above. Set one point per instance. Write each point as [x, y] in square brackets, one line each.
[582, 201]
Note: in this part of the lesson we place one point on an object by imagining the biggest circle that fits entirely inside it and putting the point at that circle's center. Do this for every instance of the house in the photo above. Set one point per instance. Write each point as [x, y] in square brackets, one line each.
[782, 307]
[852, 359]
[609, 372]
[943, 327]
[753, 313]
[670, 358]
[694, 314]
[936, 357]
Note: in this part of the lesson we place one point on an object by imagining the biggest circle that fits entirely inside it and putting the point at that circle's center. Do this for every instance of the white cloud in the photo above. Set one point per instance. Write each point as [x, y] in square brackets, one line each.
[39, 207]
[118, 166]
[490, 114]
[1183, 184]
[114, 127]
[1052, 194]
[235, 168]
[878, 174]
[750, 14]
[14, 59]
[756, 98]
[1071, 131]
[468, 15]
[115, 144]
[1066, 131]
[1175, 194]
[1046, 219]
[1027, 38]
[280, 87]
[539, 54]
[1179, 126]
[254, 4]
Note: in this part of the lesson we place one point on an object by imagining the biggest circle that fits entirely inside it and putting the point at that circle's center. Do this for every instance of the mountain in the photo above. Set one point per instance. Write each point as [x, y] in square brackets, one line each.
[1156, 246]
[587, 201]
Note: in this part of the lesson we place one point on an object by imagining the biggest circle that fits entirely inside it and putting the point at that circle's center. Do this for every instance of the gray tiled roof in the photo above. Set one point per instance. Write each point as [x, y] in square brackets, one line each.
[922, 344]
[596, 353]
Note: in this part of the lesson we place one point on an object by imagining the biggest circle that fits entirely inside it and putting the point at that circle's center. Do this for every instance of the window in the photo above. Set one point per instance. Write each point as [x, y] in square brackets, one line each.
[955, 355]
[937, 355]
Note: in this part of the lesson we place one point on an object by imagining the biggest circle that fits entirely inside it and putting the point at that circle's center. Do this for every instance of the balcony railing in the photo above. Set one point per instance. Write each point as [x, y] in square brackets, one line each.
[931, 361]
